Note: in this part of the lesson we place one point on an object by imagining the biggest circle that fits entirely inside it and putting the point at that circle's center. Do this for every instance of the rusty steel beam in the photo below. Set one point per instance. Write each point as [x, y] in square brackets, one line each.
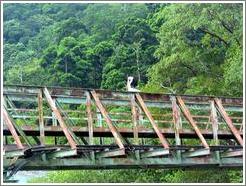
[120, 102]
[9, 124]
[163, 140]
[188, 116]
[59, 118]
[17, 127]
[228, 121]
[108, 120]
[80, 92]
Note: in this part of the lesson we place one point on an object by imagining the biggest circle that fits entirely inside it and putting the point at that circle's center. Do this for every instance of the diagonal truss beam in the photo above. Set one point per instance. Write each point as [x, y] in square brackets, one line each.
[228, 121]
[163, 140]
[64, 114]
[188, 116]
[52, 105]
[9, 124]
[18, 128]
[108, 120]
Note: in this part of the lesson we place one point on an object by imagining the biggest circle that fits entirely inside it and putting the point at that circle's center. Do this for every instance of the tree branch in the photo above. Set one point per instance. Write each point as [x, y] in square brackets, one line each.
[214, 35]
[168, 88]
[194, 72]
[224, 24]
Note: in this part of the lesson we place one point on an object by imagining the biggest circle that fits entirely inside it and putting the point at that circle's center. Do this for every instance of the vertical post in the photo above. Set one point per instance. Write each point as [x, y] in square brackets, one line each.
[90, 121]
[241, 127]
[5, 141]
[54, 121]
[89, 116]
[99, 123]
[177, 124]
[41, 117]
[135, 124]
[134, 119]
[5, 105]
[141, 121]
[214, 120]
[5, 102]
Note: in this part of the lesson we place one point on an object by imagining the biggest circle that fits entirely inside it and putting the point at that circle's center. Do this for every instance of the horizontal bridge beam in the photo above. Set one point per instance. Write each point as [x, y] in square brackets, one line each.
[117, 163]
[125, 132]
[70, 94]
[80, 92]
[120, 102]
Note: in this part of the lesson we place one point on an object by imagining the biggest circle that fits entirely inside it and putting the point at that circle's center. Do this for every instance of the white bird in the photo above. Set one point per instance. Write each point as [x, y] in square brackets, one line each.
[128, 85]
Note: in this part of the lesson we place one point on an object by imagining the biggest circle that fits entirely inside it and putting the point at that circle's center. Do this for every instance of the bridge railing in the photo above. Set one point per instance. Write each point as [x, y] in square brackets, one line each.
[81, 117]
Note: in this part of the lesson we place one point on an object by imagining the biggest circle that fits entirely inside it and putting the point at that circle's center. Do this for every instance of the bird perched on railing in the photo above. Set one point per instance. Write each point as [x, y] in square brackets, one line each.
[128, 85]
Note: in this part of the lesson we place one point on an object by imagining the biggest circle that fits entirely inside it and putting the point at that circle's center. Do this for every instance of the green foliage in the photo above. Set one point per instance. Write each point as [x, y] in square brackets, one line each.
[134, 44]
[142, 176]
[196, 44]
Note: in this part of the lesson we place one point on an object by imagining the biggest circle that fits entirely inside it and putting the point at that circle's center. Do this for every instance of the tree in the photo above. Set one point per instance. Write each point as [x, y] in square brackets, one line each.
[135, 42]
[195, 45]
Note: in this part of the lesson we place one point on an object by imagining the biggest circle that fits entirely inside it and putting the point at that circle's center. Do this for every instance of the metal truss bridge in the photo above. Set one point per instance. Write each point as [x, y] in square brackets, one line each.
[50, 128]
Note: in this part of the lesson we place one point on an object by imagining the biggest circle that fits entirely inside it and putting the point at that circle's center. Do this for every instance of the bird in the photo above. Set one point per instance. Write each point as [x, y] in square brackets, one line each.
[128, 85]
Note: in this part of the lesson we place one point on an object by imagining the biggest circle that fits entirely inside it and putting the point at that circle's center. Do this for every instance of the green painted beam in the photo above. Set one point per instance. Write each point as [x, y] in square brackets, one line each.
[195, 153]
[74, 100]
[110, 153]
[62, 153]
[13, 153]
[233, 153]
[118, 163]
[154, 153]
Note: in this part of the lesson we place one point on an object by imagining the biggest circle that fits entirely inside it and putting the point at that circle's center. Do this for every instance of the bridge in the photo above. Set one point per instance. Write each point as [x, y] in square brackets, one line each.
[51, 128]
